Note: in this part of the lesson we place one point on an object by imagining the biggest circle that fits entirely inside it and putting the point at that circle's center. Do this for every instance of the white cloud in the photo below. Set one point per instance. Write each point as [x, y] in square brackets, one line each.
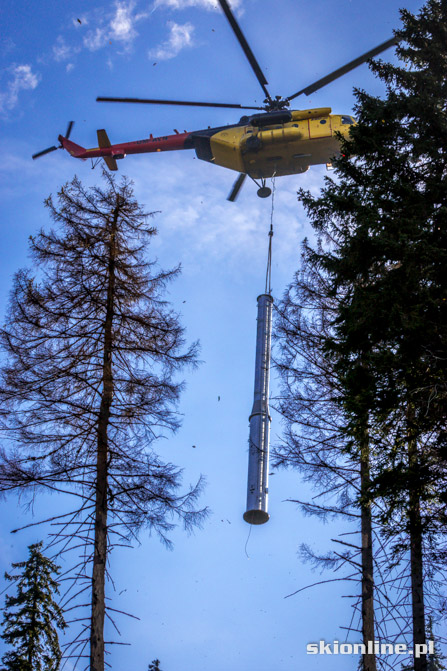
[197, 218]
[62, 51]
[183, 4]
[6, 46]
[180, 36]
[22, 79]
[95, 39]
[118, 27]
[122, 24]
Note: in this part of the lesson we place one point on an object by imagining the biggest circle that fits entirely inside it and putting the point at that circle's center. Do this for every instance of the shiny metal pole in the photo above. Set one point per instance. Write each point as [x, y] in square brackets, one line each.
[258, 457]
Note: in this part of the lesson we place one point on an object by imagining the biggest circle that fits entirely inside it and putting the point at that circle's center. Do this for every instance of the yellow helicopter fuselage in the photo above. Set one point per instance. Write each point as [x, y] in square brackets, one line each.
[281, 148]
[262, 145]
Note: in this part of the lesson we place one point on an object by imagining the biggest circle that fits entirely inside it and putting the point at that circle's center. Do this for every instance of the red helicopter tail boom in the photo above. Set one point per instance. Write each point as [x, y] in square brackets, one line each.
[74, 149]
[114, 151]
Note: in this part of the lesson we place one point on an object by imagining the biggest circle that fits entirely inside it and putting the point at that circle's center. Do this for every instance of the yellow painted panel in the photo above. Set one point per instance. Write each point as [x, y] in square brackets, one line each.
[338, 126]
[320, 127]
[280, 149]
[290, 158]
[225, 146]
[310, 114]
[103, 139]
[280, 135]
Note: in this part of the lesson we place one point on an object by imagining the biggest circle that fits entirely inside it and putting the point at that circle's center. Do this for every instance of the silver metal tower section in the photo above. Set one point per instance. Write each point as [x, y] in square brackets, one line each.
[258, 457]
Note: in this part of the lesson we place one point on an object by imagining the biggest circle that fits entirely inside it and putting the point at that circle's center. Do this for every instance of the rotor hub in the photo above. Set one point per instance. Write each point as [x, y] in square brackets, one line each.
[276, 104]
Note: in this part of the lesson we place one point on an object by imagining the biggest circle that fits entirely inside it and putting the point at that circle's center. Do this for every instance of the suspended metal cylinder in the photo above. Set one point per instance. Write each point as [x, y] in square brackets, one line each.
[258, 455]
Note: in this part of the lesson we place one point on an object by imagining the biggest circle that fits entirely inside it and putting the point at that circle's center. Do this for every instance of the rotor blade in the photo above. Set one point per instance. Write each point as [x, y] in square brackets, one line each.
[346, 68]
[69, 129]
[150, 101]
[237, 187]
[45, 151]
[244, 44]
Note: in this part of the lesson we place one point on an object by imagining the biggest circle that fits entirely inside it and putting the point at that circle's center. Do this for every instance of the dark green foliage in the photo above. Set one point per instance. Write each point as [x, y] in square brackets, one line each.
[380, 266]
[154, 665]
[436, 660]
[32, 617]
[386, 220]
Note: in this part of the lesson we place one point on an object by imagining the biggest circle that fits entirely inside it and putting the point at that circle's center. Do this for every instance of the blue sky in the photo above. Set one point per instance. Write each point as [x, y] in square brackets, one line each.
[217, 601]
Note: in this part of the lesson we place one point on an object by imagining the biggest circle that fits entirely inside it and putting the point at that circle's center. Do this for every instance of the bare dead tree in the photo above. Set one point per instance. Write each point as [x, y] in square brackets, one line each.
[89, 384]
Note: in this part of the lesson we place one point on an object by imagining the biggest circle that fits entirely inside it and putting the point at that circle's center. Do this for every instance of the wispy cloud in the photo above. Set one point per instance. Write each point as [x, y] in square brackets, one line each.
[6, 46]
[63, 51]
[95, 39]
[22, 79]
[197, 217]
[122, 25]
[180, 36]
[183, 4]
[117, 27]
[95, 30]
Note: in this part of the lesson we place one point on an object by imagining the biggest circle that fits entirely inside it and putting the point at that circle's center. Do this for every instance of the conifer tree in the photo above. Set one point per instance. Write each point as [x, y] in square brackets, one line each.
[383, 225]
[435, 660]
[32, 617]
[318, 433]
[154, 665]
[90, 383]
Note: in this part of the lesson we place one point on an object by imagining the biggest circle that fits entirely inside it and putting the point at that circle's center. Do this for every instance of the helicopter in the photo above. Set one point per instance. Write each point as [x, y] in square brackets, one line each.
[273, 142]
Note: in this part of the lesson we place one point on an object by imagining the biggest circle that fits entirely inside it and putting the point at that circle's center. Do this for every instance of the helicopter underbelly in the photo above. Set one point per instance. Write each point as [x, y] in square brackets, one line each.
[291, 158]
[282, 150]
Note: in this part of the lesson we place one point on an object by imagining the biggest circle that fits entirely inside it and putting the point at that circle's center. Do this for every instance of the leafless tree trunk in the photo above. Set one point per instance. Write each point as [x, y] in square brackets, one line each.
[100, 542]
[368, 630]
[89, 384]
[416, 547]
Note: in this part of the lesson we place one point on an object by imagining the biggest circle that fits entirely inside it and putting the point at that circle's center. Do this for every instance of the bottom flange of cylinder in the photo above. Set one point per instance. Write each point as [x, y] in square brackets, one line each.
[256, 516]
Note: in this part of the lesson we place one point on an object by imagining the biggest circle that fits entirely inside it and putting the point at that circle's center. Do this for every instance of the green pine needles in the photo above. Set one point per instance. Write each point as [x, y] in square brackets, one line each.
[154, 665]
[32, 617]
[363, 335]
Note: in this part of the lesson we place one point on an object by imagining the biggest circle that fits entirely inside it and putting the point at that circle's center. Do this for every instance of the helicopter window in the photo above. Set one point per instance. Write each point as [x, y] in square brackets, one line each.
[274, 158]
[295, 125]
[347, 120]
[323, 121]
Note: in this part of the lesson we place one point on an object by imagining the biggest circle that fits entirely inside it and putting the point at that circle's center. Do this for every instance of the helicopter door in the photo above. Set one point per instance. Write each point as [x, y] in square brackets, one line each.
[320, 127]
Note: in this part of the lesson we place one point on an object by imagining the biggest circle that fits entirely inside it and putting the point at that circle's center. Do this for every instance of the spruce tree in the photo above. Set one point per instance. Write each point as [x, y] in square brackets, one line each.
[32, 617]
[154, 665]
[435, 660]
[383, 226]
[336, 459]
[387, 216]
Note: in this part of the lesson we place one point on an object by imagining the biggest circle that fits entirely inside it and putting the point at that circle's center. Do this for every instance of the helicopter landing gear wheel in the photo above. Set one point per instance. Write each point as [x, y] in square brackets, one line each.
[264, 192]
